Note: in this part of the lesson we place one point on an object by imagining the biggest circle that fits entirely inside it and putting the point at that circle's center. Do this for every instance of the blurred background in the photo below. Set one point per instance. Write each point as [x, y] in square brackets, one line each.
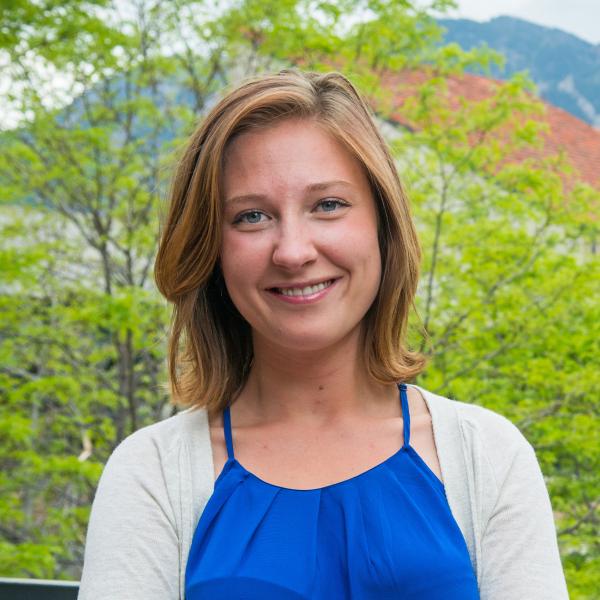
[494, 122]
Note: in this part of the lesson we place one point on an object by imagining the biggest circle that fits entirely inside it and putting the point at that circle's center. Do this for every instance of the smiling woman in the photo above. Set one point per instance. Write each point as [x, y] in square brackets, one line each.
[270, 152]
[306, 466]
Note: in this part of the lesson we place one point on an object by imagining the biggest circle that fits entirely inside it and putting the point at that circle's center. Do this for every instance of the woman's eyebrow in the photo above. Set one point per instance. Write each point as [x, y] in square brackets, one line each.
[323, 185]
[311, 187]
[245, 198]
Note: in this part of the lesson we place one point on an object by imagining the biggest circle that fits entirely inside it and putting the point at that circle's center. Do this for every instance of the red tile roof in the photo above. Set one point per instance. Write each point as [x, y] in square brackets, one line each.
[579, 141]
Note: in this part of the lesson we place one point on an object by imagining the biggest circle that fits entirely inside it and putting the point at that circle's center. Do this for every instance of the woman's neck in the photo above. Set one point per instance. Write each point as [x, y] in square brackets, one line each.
[317, 387]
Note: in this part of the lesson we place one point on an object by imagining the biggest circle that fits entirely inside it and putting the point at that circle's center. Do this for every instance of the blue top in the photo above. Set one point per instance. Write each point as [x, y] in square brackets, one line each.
[386, 533]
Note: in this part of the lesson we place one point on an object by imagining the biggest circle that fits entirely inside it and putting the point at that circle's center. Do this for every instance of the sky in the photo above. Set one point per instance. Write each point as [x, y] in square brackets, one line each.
[580, 17]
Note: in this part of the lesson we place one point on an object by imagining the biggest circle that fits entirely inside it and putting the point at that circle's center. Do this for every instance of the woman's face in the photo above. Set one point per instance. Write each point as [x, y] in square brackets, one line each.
[300, 254]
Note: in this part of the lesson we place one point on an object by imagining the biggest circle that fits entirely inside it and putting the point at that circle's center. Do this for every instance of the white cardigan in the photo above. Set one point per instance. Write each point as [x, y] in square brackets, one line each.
[157, 482]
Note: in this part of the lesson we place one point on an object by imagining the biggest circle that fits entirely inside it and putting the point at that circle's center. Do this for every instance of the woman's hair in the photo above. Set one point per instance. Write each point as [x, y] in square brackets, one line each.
[210, 346]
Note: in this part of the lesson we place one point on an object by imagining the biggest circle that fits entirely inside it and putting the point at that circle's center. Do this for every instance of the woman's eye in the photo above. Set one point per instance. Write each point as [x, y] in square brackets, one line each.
[330, 205]
[252, 217]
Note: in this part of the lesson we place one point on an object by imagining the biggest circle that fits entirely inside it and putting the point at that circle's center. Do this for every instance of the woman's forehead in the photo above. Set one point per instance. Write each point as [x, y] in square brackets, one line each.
[294, 153]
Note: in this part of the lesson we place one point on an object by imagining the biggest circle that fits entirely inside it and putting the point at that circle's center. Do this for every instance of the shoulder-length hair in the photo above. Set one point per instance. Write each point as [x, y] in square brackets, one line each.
[210, 345]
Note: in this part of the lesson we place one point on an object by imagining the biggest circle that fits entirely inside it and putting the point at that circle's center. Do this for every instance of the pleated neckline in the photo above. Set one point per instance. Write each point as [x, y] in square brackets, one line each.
[348, 480]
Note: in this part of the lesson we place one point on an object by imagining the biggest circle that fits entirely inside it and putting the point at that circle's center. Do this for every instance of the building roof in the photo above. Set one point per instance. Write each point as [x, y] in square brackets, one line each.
[578, 140]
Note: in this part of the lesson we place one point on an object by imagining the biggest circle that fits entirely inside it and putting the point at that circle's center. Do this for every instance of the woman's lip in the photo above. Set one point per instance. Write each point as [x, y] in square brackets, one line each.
[309, 299]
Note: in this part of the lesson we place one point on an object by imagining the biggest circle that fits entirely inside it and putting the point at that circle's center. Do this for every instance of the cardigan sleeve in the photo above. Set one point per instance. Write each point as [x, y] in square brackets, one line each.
[519, 550]
[132, 547]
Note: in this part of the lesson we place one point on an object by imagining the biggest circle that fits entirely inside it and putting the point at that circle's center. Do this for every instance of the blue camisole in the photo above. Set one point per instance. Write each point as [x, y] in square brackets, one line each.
[386, 533]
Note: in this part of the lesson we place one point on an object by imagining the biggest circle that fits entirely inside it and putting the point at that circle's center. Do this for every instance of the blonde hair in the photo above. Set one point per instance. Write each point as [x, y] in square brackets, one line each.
[210, 346]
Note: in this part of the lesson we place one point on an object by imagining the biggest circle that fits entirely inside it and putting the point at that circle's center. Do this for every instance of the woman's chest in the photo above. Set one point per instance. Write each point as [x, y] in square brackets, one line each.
[307, 460]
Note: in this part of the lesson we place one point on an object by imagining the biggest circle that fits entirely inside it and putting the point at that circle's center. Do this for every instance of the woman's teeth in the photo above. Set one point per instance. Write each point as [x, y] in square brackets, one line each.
[305, 291]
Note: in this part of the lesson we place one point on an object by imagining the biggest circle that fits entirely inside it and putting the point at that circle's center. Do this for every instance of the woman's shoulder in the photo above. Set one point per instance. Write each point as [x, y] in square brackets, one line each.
[174, 453]
[184, 429]
[479, 446]
[469, 423]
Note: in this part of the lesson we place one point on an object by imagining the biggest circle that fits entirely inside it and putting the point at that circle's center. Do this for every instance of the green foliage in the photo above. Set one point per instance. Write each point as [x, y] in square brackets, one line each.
[47, 27]
[509, 276]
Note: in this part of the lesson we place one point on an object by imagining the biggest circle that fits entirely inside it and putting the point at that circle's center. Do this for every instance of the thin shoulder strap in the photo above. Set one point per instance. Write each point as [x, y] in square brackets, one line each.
[227, 431]
[405, 413]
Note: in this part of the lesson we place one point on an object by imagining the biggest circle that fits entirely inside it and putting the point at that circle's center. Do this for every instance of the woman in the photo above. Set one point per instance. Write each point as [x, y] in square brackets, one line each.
[307, 467]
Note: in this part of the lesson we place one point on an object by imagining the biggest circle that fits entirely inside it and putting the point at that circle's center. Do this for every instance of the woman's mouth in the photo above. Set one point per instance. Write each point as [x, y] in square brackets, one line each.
[304, 291]
[309, 293]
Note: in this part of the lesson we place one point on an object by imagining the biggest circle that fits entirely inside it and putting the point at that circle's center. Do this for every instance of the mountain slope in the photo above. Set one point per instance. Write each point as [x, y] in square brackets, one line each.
[565, 68]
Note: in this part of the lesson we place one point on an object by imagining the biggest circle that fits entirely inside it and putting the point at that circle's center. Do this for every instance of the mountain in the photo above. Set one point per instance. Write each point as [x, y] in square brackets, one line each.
[565, 68]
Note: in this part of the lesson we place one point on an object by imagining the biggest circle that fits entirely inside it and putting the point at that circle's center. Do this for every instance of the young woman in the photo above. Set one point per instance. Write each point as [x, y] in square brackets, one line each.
[306, 466]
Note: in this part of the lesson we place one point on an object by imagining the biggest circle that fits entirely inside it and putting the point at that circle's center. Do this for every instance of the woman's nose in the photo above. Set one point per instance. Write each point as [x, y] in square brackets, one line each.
[294, 247]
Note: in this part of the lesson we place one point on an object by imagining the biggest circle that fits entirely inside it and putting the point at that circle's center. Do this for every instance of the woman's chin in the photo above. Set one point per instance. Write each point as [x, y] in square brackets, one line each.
[305, 342]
